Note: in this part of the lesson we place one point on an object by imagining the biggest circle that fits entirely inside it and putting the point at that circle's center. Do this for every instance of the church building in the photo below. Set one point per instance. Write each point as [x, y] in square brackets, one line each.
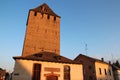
[41, 59]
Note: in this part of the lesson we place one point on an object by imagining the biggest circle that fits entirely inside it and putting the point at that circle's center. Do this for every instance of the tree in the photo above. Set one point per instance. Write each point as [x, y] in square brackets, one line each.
[1, 69]
[7, 76]
[117, 63]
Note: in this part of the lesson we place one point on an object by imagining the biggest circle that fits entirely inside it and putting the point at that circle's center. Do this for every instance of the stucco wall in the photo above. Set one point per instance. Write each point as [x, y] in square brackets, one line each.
[23, 70]
[103, 66]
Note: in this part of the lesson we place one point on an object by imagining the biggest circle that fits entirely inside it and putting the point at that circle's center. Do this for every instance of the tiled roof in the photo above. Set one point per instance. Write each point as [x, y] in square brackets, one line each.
[115, 67]
[90, 58]
[45, 9]
[47, 56]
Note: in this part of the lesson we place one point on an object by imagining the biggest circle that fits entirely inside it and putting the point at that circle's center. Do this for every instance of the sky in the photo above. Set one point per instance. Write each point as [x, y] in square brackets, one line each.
[92, 22]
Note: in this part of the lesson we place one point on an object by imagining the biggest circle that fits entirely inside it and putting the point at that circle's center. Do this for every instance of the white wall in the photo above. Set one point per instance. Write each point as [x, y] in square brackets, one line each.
[23, 70]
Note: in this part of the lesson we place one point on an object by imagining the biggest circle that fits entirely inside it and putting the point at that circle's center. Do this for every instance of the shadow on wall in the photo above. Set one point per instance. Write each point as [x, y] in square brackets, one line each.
[22, 70]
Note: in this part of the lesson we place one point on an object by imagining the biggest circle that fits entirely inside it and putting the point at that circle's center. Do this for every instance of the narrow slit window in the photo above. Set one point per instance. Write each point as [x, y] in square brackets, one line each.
[48, 16]
[54, 18]
[35, 14]
[100, 71]
[105, 71]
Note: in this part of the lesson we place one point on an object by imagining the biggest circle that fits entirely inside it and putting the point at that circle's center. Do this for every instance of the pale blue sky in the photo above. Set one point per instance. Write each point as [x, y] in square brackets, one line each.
[95, 22]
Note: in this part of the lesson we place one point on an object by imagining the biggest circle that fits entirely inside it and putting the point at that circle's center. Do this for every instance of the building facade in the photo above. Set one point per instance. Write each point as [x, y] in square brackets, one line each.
[41, 59]
[116, 72]
[46, 66]
[103, 71]
[42, 31]
[95, 69]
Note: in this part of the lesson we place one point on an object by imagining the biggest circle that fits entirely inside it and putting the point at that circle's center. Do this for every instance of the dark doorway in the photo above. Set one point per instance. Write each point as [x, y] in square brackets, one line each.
[52, 77]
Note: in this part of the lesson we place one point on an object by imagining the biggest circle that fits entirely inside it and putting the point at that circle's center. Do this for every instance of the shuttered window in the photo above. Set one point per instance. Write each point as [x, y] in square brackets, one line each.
[66, 72]
[36, 72]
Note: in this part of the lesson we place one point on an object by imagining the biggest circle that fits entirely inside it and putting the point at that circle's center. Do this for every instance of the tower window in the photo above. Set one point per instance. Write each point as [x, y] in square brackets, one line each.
[48, 16]
[35, 14]
[54, 18]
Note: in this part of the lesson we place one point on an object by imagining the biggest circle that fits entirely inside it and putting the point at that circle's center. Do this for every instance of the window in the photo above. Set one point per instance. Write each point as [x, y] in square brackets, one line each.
[36, 72]
[105, 71]
[48, 16]
[100, 71]
[66, 72]
[35, 14]
[54, 18]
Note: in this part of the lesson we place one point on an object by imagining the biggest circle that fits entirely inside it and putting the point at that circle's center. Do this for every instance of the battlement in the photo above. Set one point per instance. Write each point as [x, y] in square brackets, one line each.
[44, 16]
[42, 32]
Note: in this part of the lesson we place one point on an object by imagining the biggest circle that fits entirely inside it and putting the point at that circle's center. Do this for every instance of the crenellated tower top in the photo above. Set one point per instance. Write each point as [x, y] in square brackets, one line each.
[42, 32]
[44, 9]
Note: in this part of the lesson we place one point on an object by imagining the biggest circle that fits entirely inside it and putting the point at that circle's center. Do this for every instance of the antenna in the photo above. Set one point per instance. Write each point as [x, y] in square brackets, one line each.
[112, 56]
[86, 49]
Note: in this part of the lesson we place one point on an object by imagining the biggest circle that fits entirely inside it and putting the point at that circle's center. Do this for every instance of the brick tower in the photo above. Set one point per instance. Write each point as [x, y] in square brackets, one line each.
[42, 32]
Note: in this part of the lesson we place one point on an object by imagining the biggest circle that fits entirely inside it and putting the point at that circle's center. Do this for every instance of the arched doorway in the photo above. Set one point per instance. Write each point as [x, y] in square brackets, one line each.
[51, 77]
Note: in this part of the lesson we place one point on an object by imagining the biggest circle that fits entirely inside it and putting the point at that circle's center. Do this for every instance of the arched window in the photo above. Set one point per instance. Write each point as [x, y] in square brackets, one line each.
[66, 72]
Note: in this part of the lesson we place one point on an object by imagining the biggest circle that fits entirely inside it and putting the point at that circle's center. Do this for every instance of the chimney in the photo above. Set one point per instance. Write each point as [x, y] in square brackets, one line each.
[102, 59]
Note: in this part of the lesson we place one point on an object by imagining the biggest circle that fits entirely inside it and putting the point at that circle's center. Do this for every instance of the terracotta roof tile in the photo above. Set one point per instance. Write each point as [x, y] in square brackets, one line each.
[47, 56]
[90, 58]
[115, 67]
